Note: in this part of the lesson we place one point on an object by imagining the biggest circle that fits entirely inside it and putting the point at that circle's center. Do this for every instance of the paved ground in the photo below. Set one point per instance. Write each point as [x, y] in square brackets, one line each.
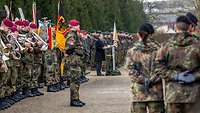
[102, 95]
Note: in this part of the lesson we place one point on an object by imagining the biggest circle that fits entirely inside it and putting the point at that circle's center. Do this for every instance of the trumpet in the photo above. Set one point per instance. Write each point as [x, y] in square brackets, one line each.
[16, 41]
[4, 59]
[37, 37]
[16, 55]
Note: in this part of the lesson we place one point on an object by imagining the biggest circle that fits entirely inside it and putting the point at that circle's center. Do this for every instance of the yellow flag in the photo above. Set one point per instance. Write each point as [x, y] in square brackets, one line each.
[60, 40]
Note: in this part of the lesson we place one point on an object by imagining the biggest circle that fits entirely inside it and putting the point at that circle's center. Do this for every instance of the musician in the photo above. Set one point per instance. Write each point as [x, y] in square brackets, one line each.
[38, 62]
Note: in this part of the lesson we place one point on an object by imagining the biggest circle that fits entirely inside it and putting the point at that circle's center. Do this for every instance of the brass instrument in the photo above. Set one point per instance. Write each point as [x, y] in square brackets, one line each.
[23, 38]
[37, 37]
[16, 55]
[4, 59]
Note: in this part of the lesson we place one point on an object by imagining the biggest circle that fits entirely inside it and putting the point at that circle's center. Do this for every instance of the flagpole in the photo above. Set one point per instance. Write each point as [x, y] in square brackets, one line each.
[113, 57]
[113, 48]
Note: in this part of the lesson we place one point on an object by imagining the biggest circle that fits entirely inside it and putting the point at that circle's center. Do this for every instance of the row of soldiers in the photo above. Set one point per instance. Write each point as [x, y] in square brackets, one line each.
[27, 60]
[165, 76]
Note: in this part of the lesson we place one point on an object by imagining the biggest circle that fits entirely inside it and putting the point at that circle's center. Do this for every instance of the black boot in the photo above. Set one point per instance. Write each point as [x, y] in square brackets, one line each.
[35, 92]
[10, 101]
[76, 103]
[14, 97]
[19, 95]
[3, 104]
[62, 86]
[51, 88]
[57, 86]
[27, 93]
[82, 102]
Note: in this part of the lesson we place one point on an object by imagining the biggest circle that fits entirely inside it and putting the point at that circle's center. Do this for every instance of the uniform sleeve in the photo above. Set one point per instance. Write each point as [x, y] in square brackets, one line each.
[134, 75]
[163, 59]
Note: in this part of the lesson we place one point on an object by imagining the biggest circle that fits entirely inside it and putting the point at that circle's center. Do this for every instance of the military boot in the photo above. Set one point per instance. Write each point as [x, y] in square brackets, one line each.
[51, 88]
[10, 101]
[76, 103]
[57, 86]
[82, 102]
[27, 92]
[62, 85]
[14, 97]
[3, 104]
[35, 92]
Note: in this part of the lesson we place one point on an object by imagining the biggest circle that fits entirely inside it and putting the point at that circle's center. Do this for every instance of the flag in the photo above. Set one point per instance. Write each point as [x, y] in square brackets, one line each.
[50, 38]
[60, 31]
[60, 38]
[34, 12]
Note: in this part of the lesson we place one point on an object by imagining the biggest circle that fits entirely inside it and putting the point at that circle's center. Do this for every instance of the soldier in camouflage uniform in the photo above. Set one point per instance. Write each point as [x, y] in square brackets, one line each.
[146, 87]
[193, 24]
[27, 69]
[50, 71]
[72, 62]
[179, 66]
[37, 68]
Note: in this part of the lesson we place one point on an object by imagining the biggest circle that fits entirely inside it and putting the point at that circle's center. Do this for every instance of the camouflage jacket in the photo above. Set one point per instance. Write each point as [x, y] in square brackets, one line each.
[140, 62]
[181, 53]
[38, 55]
[73, 61]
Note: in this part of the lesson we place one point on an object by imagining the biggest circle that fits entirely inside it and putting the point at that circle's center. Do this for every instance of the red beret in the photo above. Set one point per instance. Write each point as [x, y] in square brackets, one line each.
[19, 23]
[33, 26]
[74, 22]
[13, 28]
[25, 23]
[7, 22]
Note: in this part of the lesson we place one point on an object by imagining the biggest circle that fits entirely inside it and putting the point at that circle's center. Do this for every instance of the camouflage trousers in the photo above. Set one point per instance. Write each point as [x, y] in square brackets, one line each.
[108, 64]
[37, 71]
[50, 79]
[12, 74]
[3, 83]
[180, 108]
[147, 107]
[27, 75]
[74, 84]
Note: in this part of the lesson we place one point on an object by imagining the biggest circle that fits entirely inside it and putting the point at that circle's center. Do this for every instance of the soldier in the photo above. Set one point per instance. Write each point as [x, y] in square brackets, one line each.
[193, 23]
[86, 44]
[146, 87]
[50, 71]
[179, 66]
[72, 60]
[3, 68]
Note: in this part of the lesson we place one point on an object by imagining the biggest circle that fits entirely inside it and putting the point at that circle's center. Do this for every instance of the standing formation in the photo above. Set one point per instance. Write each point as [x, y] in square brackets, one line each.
[165, 77]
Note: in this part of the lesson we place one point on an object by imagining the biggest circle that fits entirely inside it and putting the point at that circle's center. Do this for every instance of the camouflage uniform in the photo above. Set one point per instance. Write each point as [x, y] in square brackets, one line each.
[37, 66]
[3, 80]
[72, 68]
[141, 64]
[49, 68]
[13, 72]
[182, 53]
[27, 68]
[108, 53]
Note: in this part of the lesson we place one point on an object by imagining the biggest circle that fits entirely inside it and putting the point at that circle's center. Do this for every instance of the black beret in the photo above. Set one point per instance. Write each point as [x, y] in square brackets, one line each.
[146, 27]
[183, 19]
[192, 18]
[151, 29]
